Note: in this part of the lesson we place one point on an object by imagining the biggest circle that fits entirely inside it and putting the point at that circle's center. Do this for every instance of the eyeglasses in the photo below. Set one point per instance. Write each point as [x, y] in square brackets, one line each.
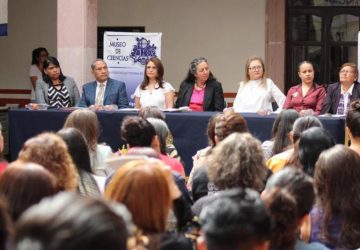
[343, 71]
[255, 68]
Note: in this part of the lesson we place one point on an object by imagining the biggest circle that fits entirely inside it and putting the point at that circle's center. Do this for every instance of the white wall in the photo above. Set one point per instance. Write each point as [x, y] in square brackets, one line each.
[225, 32]
[32, 23]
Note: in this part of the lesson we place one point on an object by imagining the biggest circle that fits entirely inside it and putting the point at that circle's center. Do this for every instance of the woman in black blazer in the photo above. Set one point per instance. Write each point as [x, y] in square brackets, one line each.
[200, 90]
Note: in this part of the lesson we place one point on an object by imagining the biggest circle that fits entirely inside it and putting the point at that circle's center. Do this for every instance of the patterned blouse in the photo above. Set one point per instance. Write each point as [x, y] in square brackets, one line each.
[58, 98]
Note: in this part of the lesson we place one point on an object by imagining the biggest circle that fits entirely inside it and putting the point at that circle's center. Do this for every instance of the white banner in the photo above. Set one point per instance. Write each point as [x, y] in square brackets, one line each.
[126, 54]
[3, 17]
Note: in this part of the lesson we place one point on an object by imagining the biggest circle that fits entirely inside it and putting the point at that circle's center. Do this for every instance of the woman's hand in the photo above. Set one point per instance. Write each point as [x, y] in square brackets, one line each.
[263, 112]
[306, 112]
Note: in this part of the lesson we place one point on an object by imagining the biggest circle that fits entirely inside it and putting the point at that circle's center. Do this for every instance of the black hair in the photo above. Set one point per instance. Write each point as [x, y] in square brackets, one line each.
[71, 222]
[77, 147]
[296, 182]
[137, 132]
[353, 119]
[36, 54]
[312, 142]
[237, 219]
[282, 126]
[54, 61]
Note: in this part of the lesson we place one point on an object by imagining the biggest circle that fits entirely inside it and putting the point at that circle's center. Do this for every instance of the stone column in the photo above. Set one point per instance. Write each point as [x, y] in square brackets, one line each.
[275, 42]
[77, 38]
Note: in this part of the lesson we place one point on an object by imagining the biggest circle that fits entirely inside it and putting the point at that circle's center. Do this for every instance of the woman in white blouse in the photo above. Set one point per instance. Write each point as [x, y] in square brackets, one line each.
[154, 91]
[256, 93]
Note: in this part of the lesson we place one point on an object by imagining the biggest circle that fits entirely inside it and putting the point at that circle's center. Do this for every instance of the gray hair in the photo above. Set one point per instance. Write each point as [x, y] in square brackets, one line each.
[194, 63]
[162, 131]
[97, 60]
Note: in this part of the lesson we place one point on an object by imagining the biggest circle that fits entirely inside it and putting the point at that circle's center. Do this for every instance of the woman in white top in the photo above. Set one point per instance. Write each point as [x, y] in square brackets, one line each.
[35, 73]
[256, 93]
[153, 91]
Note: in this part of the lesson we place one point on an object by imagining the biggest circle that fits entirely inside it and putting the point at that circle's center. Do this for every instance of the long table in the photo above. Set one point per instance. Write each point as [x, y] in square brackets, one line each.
[188, 128]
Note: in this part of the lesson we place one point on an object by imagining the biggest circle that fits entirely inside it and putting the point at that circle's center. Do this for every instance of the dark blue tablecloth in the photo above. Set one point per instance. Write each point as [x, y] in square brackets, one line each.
[188, 129]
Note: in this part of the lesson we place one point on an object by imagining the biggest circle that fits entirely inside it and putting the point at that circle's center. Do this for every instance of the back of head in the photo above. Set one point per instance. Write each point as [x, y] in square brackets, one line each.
[71, 222]
[228, 123]
[337, 185]
[137, 132]
[162, 131]
[77, 147]
[282, 126]
[25, 184]
[50, 151]
[151, 111]
[353, 119]
[303, 123]
[87, 123]
[237, 161]
[237, 219]
[135, 185]
[283, 211]
[298, 184]
[6, 226]
[312, 142]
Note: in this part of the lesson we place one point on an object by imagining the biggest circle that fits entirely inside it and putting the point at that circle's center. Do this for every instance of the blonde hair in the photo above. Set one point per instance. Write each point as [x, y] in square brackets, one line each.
[50, 151]
[142, 187]
[247, 65]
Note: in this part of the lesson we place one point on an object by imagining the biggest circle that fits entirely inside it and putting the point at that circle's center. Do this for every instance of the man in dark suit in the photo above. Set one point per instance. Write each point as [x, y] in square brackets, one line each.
[104, 90]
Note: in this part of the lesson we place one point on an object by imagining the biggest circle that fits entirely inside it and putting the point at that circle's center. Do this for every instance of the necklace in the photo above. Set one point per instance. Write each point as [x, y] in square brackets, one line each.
[198, 86]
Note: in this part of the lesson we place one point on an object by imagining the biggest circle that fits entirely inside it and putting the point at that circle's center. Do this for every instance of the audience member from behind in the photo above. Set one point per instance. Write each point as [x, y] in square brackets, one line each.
[200, 90]
[25, 184]
[104, 91]
[312, 142]
[236, 219]
[50, 151]
[87, 123]
[279, 161]
[280, 132]
[162, 132]
[256, 92]
[71, 222]
[227, 123]
[55, 89]
[148, 190]
[335, 220]
[289, 196]
[36, 69]
[154, 91]
[339, 95]
[237, 161]
[155, 112]
[307, 97]
[353, 126]
[201, 154]
[78, 150]
[6, 226]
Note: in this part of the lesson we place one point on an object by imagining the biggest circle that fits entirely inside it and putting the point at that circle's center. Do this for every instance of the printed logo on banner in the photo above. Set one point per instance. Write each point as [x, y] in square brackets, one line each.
[143, 50]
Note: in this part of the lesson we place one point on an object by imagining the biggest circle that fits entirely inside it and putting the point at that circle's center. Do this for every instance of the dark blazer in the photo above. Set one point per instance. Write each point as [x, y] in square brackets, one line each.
[115, 93]
[332, 97]
[213, 98]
